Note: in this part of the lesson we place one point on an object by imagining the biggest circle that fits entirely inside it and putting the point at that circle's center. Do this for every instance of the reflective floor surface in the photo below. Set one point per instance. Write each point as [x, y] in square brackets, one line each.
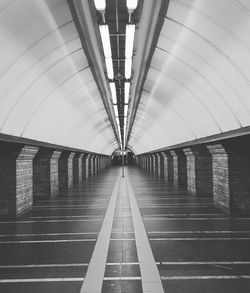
[196, 247]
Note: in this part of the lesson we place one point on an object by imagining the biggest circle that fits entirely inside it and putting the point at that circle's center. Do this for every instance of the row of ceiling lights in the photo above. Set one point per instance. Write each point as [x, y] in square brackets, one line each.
[129, 44]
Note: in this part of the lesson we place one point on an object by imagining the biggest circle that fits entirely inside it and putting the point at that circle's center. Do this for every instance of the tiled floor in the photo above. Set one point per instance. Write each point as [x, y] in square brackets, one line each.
[196, 247]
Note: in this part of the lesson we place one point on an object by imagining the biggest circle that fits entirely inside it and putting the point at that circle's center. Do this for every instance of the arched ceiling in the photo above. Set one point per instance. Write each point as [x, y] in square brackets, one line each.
[190, 77]
[198, 81]
[47, 90]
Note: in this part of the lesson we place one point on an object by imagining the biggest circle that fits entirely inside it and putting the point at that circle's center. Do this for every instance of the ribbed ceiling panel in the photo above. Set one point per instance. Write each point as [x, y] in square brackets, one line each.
[198, 81]
[47, 90]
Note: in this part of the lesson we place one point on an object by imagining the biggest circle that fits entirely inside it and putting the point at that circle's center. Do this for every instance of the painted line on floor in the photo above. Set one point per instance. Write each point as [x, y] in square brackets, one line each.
[226, 277]
[201, 239]
[151, 280]
[66, 206]
[126, 264]
[42, 280]
[47, 241]
[178, 215]
[49, 234]
[58, 217]
[96, 269]
[51, 221]
[199, 232]
[192, 219]
[63, 265]
[204, 263]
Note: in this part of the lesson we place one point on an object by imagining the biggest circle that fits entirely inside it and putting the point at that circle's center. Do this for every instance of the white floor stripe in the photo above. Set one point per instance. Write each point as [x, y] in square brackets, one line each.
[227, 277]
[199, 232]
[42, 280]
[146, 218]
[63, 216]
[127, 264]
[151, 281]
[64, 265]
[204, 263]
[51, 221]
[46, 241]
[48, 234]
[96, 269]
[201, 239]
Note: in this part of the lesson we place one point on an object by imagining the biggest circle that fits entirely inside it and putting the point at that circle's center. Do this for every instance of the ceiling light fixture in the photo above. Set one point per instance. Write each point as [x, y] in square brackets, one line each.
[104, 30]
[126, 92]
[113, 92]
[109, 65]
[130, 34]
[131, 4]
[128, 67]
[116, 110]
[100, 5]
[125, 110]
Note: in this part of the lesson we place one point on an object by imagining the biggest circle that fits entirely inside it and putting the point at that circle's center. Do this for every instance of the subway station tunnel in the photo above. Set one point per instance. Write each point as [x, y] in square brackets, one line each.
[124, 146]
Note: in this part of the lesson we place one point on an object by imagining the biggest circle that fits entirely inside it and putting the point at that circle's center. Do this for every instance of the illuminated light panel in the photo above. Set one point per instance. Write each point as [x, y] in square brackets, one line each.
[100, 5]
[128, 67]
[116, 111]
[109, 65]
[104, 30]
[125, 110]
[130, 34]
[126, 92]
[113, 92]
[132, 4]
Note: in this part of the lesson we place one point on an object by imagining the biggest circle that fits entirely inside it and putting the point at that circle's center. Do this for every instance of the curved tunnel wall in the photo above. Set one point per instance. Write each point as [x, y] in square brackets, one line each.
[198, 81]
[47, 90]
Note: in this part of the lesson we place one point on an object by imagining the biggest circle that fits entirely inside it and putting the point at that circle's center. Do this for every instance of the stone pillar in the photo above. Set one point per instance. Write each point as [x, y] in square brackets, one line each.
[77, 168]
[16, 173]
[231, 177]
[179, 168]
[168, 167]
[65, 170]
[91, 164]
[156, 170]
[85, 167]
[199, 171]
[96, 164]
[153, 163]
[45, 176]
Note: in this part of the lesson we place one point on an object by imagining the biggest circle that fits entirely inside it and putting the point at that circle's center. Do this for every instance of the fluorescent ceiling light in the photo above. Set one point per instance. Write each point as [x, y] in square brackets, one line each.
[130, 34]
[104, 30]
[128, 67]
[113, 92]
[126, 92]
[117, 121]
[125, 110]
[132, 4]
[109, 65]
[125, 122]
[100, 5]
[116, 110]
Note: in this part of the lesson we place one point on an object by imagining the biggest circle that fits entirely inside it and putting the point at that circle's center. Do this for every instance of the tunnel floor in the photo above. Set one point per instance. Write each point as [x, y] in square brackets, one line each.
[62, 245]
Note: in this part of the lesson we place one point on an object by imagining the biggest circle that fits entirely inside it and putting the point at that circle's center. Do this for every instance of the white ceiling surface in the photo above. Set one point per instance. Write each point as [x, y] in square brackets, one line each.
[198, 81]
[47, 90]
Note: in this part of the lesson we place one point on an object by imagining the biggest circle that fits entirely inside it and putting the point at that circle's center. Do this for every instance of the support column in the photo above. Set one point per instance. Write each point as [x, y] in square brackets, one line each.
[179, 168]
[85, 166]
[156, 170]
[45, 176]
[77, 168]
[153, 160]
[91, 164]
[199, 171]
[65, 170]
[168, 167]
[16, 173]
[161, 165]
[231, 173]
